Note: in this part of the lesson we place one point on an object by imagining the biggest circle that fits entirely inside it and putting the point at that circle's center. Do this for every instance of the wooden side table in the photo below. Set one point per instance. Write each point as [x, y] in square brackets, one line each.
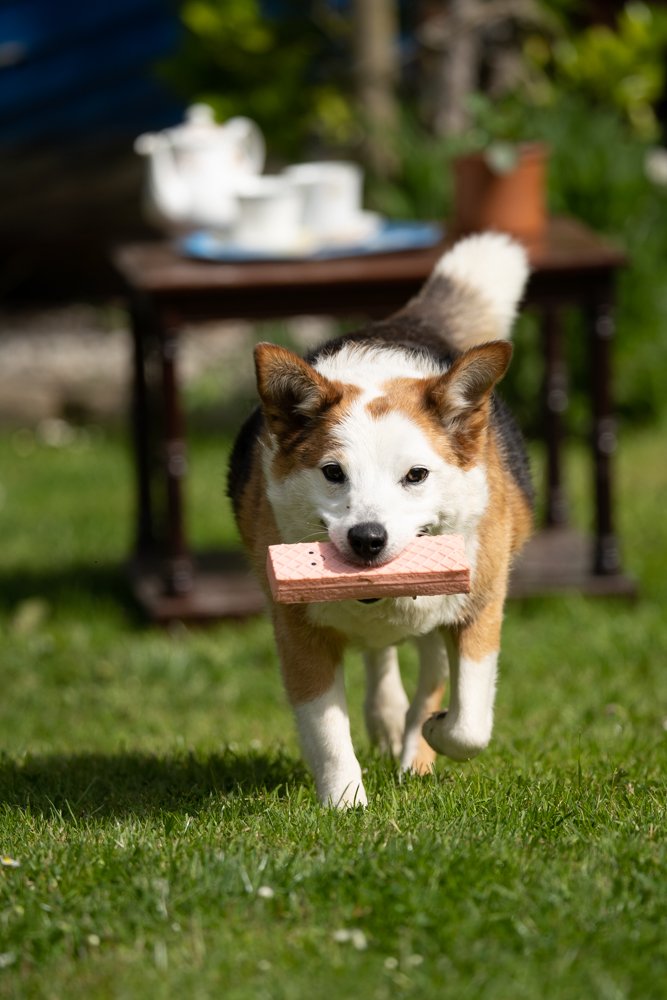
[571, 266]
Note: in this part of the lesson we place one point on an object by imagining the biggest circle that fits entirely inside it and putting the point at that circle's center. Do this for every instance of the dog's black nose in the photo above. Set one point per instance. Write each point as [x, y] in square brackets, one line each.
[367, 539]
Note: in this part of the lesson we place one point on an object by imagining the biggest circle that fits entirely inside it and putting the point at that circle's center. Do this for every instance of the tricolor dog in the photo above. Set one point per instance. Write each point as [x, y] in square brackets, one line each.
[380, 436]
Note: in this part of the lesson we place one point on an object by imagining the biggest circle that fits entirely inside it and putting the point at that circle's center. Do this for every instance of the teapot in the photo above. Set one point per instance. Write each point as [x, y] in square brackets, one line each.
[193, 171]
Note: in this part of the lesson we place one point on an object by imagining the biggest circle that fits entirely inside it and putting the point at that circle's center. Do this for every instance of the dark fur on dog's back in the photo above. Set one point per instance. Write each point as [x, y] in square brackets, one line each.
[242, 458]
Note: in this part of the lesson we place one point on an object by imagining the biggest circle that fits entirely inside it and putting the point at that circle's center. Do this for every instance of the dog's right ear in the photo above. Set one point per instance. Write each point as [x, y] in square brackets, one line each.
[290, 389]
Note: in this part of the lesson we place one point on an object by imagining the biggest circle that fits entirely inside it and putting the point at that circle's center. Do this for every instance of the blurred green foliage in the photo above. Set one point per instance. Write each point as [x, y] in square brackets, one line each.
[421, 185]
[622, 68]
[288, 73]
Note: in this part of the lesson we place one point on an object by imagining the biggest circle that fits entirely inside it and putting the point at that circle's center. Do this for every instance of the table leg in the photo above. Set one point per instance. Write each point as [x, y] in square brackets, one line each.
[606, 559]
[178, 569]
[140, 427]
[555, 404]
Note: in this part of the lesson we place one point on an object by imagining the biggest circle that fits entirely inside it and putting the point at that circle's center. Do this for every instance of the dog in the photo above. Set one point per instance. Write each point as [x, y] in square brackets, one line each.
[379, 436]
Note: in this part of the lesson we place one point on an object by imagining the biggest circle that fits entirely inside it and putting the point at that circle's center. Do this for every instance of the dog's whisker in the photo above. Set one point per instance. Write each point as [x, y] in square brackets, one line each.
[319, 534]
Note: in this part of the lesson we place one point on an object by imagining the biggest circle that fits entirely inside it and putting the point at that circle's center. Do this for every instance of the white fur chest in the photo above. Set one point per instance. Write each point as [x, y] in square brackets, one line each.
[389, 621]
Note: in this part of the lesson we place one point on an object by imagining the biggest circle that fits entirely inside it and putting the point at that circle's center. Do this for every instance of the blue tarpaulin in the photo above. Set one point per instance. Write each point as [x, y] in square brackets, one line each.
[69, 68]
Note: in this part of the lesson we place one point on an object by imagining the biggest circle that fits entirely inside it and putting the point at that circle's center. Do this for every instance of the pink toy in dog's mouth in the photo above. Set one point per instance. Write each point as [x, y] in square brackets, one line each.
[307, 572]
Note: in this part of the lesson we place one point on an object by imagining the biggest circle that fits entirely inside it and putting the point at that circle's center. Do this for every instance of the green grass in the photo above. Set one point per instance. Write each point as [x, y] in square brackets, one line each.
[169, 840]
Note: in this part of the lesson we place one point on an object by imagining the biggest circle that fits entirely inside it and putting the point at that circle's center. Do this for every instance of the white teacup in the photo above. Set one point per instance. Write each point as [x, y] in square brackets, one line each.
[269, 214]
[332, 196]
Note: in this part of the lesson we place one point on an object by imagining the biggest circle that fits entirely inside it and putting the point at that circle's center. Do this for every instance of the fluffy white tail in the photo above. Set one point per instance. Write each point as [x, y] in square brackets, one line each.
[475, 289]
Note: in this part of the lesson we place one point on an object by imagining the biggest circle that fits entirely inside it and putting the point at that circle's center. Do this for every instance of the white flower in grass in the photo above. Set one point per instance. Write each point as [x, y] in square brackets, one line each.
[412, 961]
[353, 936]
[655, 166]
[265, 892]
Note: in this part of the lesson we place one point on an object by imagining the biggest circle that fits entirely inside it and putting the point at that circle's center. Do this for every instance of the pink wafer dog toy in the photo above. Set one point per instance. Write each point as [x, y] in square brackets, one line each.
[316, 571]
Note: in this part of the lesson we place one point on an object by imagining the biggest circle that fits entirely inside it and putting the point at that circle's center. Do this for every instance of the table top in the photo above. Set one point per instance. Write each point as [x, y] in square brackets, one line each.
[567, 247]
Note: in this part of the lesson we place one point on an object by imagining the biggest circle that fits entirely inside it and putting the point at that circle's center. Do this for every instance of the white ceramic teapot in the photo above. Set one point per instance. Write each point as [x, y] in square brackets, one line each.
[194, 170]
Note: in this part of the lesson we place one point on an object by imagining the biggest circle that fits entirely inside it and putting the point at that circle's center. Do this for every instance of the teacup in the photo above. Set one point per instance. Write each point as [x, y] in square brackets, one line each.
[269, 214]
[332, 196]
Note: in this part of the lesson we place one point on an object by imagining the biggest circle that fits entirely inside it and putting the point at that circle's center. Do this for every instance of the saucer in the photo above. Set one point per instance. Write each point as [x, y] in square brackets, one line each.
[373, 235]
[364, 226]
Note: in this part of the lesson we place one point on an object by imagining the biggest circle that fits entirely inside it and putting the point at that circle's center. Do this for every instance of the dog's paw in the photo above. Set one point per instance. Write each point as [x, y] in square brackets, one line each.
[449, 737]
[341, 787]
[422, 762]
[349, 796]
[417, 757]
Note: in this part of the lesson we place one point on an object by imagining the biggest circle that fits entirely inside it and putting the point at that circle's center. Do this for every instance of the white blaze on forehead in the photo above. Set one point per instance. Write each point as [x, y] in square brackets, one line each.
[370, 366]
[388, 445]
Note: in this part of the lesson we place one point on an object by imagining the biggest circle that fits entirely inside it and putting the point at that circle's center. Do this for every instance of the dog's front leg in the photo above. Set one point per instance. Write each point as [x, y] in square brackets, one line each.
[465, 729]
[311, 662]
[324, 729]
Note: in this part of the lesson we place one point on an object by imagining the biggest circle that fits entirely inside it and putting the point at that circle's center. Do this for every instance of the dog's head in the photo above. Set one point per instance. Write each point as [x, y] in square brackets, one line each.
[375, 446]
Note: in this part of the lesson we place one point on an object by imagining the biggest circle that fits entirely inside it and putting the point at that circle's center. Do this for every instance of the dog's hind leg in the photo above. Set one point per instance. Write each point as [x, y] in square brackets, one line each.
[465, 729]
[417, 755]
[386, 702]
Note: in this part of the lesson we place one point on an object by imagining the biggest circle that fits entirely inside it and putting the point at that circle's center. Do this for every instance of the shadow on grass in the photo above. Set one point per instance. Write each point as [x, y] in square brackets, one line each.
[78, 589]
[67, 589]
[80, 786]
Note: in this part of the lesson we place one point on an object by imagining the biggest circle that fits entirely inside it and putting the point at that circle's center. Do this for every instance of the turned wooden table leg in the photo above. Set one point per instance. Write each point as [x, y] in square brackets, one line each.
[606, 559]
[178, 568]
[555, 404]
[141, 427]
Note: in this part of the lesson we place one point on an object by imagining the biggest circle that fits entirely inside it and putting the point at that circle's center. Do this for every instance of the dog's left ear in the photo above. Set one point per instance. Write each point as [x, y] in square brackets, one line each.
[290, 389]
[465, 388]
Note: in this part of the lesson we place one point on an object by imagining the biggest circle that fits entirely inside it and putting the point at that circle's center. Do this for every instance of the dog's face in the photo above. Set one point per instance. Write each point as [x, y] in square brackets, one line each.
[373, 462]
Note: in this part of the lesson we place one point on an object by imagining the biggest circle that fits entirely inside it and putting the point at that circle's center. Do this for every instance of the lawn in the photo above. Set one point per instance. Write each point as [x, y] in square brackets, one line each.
[162, 839]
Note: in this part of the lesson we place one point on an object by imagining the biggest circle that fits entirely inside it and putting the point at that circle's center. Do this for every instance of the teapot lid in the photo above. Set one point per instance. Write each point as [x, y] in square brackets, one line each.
[199, 124]
[199, 116]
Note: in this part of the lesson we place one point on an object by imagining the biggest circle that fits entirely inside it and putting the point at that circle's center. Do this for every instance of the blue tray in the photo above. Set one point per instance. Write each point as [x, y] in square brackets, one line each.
[391, 237]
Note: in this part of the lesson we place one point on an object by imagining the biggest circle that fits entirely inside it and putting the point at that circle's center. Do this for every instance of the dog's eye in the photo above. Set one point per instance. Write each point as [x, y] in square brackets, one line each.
[417, 474]
[333, 473]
